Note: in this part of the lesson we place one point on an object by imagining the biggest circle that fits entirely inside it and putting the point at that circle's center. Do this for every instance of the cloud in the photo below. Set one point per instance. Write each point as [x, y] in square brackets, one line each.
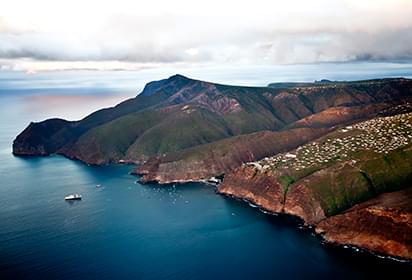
[337, 47]
[130, 34]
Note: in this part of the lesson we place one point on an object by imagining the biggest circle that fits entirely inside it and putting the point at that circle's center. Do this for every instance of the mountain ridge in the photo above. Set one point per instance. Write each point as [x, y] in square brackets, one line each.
[234, 110]
[310, 151]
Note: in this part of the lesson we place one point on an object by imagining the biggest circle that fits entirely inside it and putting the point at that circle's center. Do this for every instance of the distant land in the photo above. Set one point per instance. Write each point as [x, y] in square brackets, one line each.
[337, 154]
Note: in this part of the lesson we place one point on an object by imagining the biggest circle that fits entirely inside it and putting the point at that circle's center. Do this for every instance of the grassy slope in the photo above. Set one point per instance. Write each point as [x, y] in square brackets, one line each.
[339, 187]
[187, 128]
[109, 142]
[196, 126]
[341, 178]
[260, 109]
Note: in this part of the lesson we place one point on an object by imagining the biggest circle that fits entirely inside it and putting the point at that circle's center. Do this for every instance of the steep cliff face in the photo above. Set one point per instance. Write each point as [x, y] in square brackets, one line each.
[301, 201]
[382, 225]
[322, 179]
[259, 188]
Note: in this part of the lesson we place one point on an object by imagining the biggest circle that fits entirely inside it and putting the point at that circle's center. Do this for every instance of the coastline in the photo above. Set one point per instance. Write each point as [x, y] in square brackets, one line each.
[295, 219]
[311, 229]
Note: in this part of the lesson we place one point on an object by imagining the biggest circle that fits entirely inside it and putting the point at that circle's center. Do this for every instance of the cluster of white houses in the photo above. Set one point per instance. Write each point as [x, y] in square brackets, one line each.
[380, 135]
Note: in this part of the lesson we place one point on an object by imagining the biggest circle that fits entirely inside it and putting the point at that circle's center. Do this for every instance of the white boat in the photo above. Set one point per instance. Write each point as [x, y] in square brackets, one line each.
[75, 196]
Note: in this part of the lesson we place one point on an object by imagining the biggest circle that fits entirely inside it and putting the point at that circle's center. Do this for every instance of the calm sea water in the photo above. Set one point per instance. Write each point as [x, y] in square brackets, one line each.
[127, 230]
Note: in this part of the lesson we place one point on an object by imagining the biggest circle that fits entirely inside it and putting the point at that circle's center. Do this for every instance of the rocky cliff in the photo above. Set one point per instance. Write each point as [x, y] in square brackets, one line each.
[382, 225]
[343, 169]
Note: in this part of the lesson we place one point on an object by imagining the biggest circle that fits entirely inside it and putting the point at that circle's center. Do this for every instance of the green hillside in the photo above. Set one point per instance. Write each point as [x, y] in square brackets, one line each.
[179, 113]
[349, 165]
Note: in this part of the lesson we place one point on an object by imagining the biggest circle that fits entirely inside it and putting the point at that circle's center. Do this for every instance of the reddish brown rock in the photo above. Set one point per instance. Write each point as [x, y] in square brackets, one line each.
[300, 201]
[264, 190]
[382, 225]
[339, 116]
[259, 188]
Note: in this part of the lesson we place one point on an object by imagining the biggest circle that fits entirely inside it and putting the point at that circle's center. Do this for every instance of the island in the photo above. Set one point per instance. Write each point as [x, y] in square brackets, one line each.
[336, 154]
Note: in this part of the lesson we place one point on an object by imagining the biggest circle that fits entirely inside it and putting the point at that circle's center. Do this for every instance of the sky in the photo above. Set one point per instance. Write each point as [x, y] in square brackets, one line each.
[48, 35]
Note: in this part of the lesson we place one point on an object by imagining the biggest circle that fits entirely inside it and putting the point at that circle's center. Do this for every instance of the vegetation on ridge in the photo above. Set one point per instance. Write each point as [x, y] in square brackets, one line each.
[349, 165]
[179, 113]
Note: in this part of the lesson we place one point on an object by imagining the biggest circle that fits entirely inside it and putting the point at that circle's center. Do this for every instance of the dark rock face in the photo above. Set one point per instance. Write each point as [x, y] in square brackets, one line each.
[152, 87]
[41, 138]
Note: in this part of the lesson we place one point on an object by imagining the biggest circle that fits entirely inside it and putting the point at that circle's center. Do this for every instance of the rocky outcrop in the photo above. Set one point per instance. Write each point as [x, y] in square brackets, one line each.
[382, 225]
[263, 190]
